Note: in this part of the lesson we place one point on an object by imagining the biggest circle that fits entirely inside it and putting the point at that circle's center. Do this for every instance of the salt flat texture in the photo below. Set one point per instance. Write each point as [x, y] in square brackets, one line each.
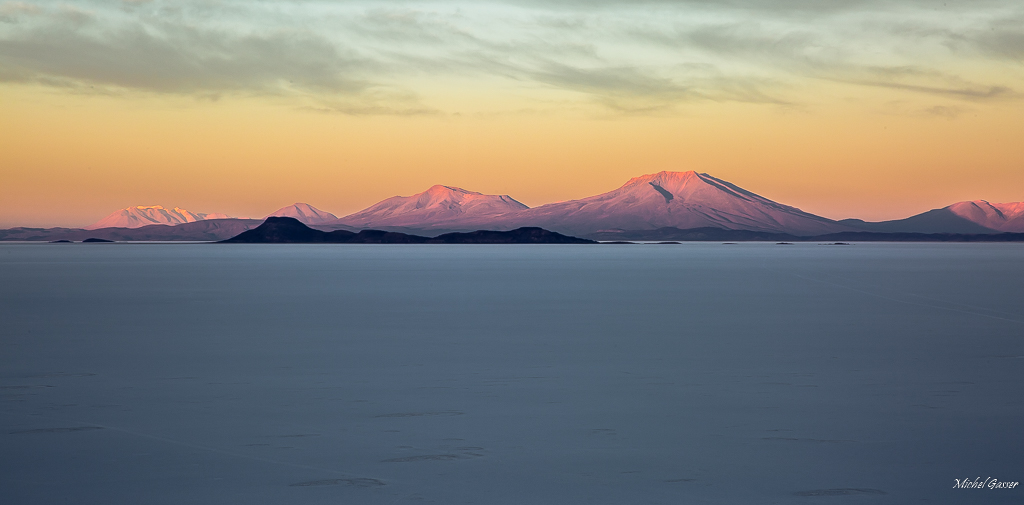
[694, 373]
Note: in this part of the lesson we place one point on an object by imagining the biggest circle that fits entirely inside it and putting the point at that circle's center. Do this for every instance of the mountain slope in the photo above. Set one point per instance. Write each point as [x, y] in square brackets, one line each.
[976, 216]
[933, 221]
[305, 213]
[997, 216]
[681, 200]
[139, 216]
[440, 207]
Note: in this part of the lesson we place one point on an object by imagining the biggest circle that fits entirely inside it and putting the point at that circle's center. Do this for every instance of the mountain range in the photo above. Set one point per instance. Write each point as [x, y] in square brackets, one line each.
[646, 206]
[139, 216]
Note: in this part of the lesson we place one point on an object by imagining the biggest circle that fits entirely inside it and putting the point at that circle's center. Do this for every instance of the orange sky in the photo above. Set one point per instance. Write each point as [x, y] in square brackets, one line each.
[832, 144]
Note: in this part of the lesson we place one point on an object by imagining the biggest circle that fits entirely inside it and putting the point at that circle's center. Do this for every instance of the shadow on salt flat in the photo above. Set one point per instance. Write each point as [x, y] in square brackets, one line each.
[839, 492]
[57, 430]
[358, 482]
[424, 414]
[428, 457]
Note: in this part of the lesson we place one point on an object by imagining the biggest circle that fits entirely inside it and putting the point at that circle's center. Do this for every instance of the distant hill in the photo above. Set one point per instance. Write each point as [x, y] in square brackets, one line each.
[974, 217]
[722, 235]
[693, 235]
[206, 230]
[934, 221]
[286, 230]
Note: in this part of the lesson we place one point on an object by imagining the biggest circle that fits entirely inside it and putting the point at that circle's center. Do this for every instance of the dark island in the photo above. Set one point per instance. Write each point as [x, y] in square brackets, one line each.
[287, 230]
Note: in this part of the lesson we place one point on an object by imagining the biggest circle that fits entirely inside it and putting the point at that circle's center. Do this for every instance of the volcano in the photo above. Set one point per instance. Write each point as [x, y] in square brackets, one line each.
[439, 208]
[680, 200]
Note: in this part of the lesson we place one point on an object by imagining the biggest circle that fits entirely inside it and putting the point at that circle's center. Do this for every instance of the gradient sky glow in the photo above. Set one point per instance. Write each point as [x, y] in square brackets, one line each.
[871, 109]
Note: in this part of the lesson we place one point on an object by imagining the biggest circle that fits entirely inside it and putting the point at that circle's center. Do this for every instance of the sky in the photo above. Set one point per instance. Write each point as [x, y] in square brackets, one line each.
[844, 108]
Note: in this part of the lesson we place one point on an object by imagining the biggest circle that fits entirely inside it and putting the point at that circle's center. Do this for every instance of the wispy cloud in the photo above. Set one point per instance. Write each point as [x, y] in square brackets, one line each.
[358, 57]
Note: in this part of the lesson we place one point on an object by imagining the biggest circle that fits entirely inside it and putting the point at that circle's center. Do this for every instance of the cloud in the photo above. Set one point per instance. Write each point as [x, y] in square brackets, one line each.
[1003, 39]
[388, 57]
[376, 101]
[182, 59]
[943, 111]
[804, 53]
[932, 82]
[10, 12]
[975, 93]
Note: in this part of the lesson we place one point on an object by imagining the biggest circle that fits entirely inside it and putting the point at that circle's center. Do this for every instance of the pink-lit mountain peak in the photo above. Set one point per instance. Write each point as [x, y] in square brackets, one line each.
[143, 215]
[672, 181]
[1007, 217]
[664, 199]
[439, 195]
[675, 199]
[437, 205]
[669, 190]
[305, 213]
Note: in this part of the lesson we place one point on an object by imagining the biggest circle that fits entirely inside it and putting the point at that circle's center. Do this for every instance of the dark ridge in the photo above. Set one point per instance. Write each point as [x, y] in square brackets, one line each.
[723, 235]
[62, 241]
[525, 235]
[376, 237]
[856, 236]
[282, 230]
[94, 240]
[357, 482]
[933, 221]
[693, 235]
[664, 192]
[206, 231]
[839, 492]
[287, 230]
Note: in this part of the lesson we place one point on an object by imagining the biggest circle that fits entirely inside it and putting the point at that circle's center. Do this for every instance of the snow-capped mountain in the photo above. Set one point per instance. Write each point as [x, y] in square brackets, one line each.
[440, 207]
[305, 213]
[673, 199]
[1007, 217]
[139, 216]
[665, 199]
